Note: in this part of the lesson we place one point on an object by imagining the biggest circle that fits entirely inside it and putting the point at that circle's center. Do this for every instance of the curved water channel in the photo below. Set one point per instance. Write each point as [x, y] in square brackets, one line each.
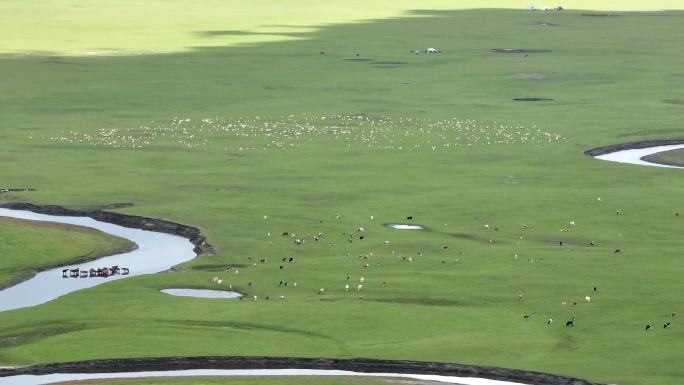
[156, 252]
[634, 156]
[58, 377]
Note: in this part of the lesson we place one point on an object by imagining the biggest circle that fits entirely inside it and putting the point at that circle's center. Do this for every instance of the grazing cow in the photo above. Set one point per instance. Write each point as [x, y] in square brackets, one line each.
[571, 223]
[587, 299]
[321, 291]
[386, 243]
[592, 243]
[526, 317]
[616, 251]
[549, 321]
[281, 267]
[673, 315]
[409, 218]
[523, 226]
[619, 212]
[346, 287]
[285, 234]
[666, 325]
[486, 227]
[255, 298]
[359, 287]
[291, 259]
[595, 289]
[520, 297]
[648, 327]
[362, 279]
[433, 50]
[360, 298]
[282, 298]
[281, 283]
[294, 284]
[571, 322]
[220, 281]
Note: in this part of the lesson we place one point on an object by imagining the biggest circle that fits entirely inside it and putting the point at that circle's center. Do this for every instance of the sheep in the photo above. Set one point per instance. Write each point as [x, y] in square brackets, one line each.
[359, 287]
[321, 291]
[386, 243]
[486, 227]
[282, 298]
[294, 284]
[361, 229]
[219, 282]
[571, 223]
[372, 218]
[523, 226]
[215, 279]
[346, 287]
[587, 299]
[362, 279]
[255, 298]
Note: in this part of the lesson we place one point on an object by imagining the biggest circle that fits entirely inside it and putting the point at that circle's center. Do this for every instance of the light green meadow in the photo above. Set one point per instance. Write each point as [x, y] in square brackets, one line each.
[261, 118]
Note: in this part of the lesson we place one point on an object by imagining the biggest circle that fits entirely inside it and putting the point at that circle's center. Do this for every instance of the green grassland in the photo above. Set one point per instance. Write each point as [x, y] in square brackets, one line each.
[672, 157]
[69, 124]
[28, 246]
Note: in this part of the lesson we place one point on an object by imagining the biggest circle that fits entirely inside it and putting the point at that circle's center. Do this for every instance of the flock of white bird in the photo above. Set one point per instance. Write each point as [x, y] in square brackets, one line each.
[257, 133]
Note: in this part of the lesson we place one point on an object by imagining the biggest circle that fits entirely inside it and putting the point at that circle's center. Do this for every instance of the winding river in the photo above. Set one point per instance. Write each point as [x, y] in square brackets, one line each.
[57, 377]
[156, 252]
[634, 156]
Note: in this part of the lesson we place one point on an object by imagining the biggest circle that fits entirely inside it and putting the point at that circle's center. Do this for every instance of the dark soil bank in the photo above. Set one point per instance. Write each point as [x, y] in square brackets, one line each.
[532, 99]
[355, 364]
[131, 221]
[632, 145]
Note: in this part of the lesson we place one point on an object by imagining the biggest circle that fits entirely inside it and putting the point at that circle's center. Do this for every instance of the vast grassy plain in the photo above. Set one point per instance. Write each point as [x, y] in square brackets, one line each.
[292, 137]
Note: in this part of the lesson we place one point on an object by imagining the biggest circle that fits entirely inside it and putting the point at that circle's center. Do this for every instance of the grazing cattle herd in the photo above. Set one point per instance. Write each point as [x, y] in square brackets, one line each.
[92, 273]
[360, 233]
